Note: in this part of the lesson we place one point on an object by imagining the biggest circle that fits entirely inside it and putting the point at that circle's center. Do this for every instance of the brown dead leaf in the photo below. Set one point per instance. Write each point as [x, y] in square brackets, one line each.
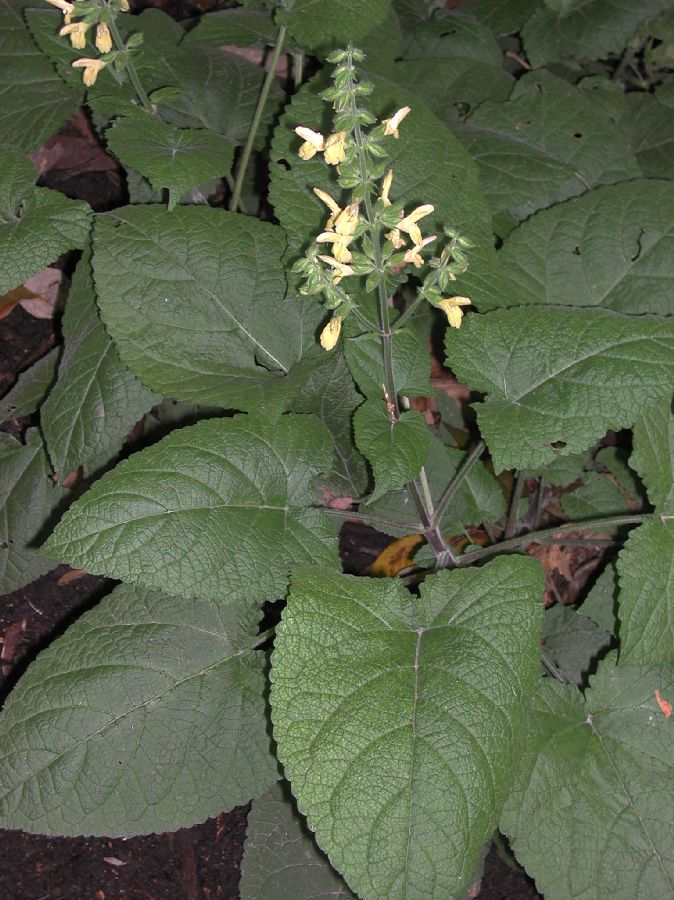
[38, 296]
[70, 576]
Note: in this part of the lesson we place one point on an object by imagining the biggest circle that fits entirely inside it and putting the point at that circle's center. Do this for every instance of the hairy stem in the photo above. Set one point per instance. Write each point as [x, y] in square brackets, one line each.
[130, 67]
[456, 483]
[414, 527]
[255, 124]
[515, 498]
[549, 535]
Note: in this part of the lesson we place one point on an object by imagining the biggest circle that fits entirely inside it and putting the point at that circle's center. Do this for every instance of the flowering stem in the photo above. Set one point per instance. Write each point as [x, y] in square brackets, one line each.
[255, 124]
[549, 535]
[130, 67]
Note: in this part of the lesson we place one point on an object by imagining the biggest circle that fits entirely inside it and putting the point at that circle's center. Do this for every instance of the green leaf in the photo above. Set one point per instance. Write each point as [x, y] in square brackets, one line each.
[96, 400]
[34, 101]
[147, 715]
[321, 24]
[194, 302]
[549, 142]
[651, 128]
[37, 224]
[646, 599]
[170, 157]
[219, 92]
[612, 248]
[600, 604]
[478, 499]
[399, 719]
[411, 363]
[395, 450]
[503, 18]
[597, 496]
[590, 812]
[572, 642]
[449, 34]
[27, 498]
[429, 166]
[197, 513]
[600, 28]
[238, 27]
[564, 469]
[331, 395]
[653, 456]
[549, 398]
[280, 858]
[30, 388]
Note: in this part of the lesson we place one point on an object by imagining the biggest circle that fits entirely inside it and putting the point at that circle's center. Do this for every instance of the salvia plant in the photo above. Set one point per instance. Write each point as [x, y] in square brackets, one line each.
[489, 187]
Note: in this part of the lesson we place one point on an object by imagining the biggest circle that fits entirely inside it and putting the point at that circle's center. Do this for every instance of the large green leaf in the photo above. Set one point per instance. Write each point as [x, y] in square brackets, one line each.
[547, 143]
[194, 300]
[96, 400]
[395, 450]
[37, 224]
[147, 715]
[590, 813]
[478, 499]
[218, 510]
[220, 92]
[503, 18]
[650, 126]
[323, 24]
[238, 27]
[280, 858]
[653, 456]
[27, 497]
[170, 157]
[331, 395]
[600, 604]
[429, 166]
[572, 642]
[30, 388]
[399, 719]
[34, 101]
[646, 599]
[613, 247]
[600, 27]
[550, 397]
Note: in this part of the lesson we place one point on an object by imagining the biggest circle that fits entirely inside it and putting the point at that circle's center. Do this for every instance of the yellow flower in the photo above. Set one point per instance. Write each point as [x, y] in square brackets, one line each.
[413, 255]
[409, 223]
[330, 334]
[91, 69]
[340, 245]
[396, 238]
[339, 269]
[386, 187]
[123, 5]
[332, 205]
[313, 142]
[347, 220]
[77, 34]
[451, 306]
[391, 125]
[66, 8]
[335, 148]
[103, 38]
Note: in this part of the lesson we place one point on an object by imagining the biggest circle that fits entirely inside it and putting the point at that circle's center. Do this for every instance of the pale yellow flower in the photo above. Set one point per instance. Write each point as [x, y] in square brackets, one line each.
[91, 69]
[339, 269]
[396, 238]
[330, 334]
[333, 206]
[391, 125]
[347, 220]
[335, 148]
[340, 245]
[77, 32]
[123, 5]
[65, 7]
[386, 187]
[451, 306]
[313, 142]
[409, 225]
[103, 38]
[414, 256]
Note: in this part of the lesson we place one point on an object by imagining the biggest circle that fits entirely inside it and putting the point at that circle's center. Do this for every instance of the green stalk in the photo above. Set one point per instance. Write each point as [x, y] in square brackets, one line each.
[549, 535]
[255, 124]
[515, 498]
[130, 68]
[414, 527]
[456, 482]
